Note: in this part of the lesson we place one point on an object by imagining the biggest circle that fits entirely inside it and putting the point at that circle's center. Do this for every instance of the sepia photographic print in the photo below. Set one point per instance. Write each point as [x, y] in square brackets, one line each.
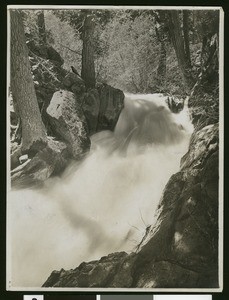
[115, 148]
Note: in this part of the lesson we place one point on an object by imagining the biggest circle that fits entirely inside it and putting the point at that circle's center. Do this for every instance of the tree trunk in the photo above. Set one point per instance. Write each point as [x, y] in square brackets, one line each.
[41, 27]
[186, 35]
[23, 92]
[161, 36]
[178, 43]
[161, 69]
[88, 65]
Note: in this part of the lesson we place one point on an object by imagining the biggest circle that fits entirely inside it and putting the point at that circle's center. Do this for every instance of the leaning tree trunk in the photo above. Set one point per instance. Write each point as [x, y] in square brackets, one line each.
[88, 65]
[23, 92]
[41, 27]
[178, 43]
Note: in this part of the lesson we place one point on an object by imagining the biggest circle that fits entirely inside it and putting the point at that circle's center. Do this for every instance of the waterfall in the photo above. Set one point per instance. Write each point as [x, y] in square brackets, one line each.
[102, 204]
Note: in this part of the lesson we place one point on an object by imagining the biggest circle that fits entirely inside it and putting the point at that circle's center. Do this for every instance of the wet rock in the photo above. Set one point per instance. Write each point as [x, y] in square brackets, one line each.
[34, 171]
[91, 106]
[111, 105]
[175, 104]
[101, 106]
[202, 144]
[123, 276]
[68, 122]
[93, 274]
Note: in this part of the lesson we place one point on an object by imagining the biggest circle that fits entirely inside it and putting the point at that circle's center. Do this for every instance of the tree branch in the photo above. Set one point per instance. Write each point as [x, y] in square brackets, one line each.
[75, 51]
[42, 61]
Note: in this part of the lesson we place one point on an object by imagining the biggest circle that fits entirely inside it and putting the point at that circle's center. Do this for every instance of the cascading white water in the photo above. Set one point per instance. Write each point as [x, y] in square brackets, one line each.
[102, 204]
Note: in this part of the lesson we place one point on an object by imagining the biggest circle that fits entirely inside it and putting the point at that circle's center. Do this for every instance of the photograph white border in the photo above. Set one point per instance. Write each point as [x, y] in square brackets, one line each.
[221, 150]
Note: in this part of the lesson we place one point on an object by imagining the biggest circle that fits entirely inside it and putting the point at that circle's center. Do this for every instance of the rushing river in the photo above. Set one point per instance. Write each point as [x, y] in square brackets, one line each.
[102, 204]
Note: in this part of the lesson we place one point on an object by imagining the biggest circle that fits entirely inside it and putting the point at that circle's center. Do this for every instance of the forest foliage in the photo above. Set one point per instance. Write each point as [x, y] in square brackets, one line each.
[127, 45]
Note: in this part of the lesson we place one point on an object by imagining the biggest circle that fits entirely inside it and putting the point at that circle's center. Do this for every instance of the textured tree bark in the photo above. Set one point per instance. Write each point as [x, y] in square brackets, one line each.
[186, 35]
[161, 36]
[24, 97]
[88, 65]
[178, 43]
[41, 27]
[161, 69]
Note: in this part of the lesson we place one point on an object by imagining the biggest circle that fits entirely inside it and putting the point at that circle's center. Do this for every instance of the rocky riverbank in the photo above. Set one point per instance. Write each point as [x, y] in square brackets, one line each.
[181, 249]
[71, 114]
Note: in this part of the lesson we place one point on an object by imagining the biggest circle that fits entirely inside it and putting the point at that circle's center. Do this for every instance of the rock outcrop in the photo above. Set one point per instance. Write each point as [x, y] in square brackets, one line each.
[101, 105]
[68, 122]
[181, 249]
[92, 274]
[175, 104]
[111, 104]
[91, 109]
[36, 169]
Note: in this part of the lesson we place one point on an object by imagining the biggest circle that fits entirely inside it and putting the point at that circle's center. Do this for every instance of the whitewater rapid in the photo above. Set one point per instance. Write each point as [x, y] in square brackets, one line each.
[102, 204]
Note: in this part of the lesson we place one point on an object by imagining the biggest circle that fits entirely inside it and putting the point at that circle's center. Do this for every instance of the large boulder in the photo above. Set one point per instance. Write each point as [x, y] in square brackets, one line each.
[68, 122]
[91, 107]
[111, 105]
[101, 105]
